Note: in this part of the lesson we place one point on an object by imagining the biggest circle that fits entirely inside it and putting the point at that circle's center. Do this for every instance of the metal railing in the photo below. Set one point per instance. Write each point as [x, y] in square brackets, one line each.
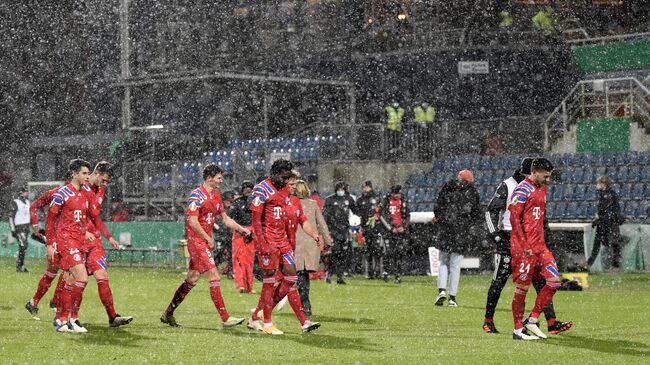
[598, 99]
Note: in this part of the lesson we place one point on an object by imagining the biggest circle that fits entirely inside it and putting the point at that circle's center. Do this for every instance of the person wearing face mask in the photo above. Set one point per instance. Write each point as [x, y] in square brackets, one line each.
[457, 209]
[607, 223]
[338, 207]
[367, 206]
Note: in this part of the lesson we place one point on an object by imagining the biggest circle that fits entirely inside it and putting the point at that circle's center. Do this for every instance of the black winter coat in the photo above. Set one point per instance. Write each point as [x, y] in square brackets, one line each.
[457, 209]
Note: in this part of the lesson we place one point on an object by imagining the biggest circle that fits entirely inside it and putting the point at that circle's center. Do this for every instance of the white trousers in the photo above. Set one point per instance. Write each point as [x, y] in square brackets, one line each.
[449, 268]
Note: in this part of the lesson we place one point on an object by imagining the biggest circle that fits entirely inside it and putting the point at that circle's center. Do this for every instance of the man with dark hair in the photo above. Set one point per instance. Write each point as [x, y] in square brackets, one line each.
[19, 224]
[203, 207]
[53, 264]
[66, 226]
[337, 216]
[530, 255]
[268, 204]
[93, 250]
[367, 205]
[243, 247]
[497, 219]
[395, 216]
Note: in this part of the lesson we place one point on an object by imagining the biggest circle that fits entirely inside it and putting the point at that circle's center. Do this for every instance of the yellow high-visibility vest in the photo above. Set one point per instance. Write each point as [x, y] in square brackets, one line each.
[422, 116]
[395, 116]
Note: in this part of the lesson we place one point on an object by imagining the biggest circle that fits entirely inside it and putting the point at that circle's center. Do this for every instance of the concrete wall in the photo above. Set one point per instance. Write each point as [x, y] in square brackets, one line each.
[382, 175]
[639, 139]
[567, 143]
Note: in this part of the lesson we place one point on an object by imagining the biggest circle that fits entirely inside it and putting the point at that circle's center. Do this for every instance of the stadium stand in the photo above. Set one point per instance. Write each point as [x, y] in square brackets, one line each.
[572, 194]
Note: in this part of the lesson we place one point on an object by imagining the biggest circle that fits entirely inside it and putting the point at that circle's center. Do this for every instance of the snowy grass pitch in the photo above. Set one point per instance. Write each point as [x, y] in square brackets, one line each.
[364, 322]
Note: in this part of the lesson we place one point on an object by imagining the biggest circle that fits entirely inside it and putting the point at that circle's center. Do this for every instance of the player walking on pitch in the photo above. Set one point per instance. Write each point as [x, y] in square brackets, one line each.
[530, 256]
[204, 205]
[272, 233]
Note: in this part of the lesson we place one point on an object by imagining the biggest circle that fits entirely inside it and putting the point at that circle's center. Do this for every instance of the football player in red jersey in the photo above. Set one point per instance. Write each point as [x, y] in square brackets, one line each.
[295, 217]
[204, 205]
[53, 264]
[530, 256]
[66, 225]
[93, 249]
[272, 231]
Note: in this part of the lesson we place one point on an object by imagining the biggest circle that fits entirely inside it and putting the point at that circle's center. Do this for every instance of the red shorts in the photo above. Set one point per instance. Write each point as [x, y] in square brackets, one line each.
[96, 257]
[541, 265]
[70, 257]
[201, 258]
[271, 261]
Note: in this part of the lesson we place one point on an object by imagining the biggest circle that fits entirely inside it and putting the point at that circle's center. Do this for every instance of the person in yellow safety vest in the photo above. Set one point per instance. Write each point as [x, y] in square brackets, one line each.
[424, 114]
[546, 20]
[506, 19]
[394, 117]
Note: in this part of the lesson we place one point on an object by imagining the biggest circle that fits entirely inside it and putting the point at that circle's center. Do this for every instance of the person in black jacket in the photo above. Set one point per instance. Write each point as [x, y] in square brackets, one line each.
[457, 210]
[337, 216]
[607, 223]
[367, 206]
[395, 217]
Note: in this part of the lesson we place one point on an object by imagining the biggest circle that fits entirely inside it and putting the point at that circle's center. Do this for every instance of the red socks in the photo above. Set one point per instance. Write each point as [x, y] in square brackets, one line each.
[180, 294]
[544, 297]
[518, 307]
[296, 305]
[64, 303]
[105, 295]
[43, 285]
[217, 299]
[58, 291]
[77, 296]
[266, 300]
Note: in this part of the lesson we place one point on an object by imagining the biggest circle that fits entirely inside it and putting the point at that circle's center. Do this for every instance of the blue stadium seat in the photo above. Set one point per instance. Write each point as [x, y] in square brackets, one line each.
[571, 211]
[558, 192]
[638, 191]
[568, 192]
[626, 191]
[646, 191]
[588, 175]
[591, 209]
[645, 173]
[576, 176]
[590, 192]
[550, 210]
[560, 209]
[620, 158]
[579, 192]
[634, 173]
[643, 158]
[581, 211]
[600, 171]
[631, 158]
[644, 206]
[631, 209]
[621, 175]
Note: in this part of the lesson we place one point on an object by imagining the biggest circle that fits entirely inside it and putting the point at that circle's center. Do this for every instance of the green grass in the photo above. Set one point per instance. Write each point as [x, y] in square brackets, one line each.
[364, 322]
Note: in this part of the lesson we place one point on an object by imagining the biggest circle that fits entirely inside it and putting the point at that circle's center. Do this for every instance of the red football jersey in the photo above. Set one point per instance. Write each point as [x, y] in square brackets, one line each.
[206, 206]
[295, 217]
[42, 201]
[527, 212]
[268, 205]
[96, 225]
[67, 217]
[395, 209]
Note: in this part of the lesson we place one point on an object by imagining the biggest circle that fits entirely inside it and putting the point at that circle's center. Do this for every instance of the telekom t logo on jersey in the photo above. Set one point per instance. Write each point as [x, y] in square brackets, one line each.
[277, 212]
[537, 213]
[77, 215]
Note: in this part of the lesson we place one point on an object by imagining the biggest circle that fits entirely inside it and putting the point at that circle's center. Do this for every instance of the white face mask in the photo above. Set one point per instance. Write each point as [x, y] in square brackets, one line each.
[340, 193]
